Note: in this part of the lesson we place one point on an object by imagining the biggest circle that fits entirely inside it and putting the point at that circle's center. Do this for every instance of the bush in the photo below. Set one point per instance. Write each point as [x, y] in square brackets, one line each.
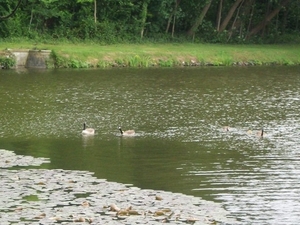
[7, 61]
[58, 61]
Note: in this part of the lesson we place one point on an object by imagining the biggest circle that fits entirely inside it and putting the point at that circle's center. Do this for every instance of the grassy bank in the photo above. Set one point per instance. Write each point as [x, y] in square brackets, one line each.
[167, 55]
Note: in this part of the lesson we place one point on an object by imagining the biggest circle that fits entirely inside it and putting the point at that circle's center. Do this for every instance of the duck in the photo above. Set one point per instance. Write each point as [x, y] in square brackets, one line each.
[127, 132]
[87, 131]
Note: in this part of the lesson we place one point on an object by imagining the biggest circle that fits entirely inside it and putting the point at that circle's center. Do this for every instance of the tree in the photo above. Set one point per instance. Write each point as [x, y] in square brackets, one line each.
[144, 16]
[233, 26]
[95, 7]
[110, 21]
[200, 18]
[219, 15]
[12, 12]
[173, 15]
[267, 19]
[229, 15]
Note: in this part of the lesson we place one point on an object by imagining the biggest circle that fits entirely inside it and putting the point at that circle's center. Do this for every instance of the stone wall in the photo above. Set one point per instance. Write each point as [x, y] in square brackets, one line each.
[31, 58]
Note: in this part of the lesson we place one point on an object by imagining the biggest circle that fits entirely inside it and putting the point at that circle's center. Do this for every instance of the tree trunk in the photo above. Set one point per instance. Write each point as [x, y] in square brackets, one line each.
[267, 19]
[199, 19]
[298, 9]
[144, 17]
[31, 18]
[219, 17]
[229, 15]
[173, 27]
[172, 15]
[245, 9]
[95, 11]
[250, 19]
[265, 23]
[233, 24]
[285, 21]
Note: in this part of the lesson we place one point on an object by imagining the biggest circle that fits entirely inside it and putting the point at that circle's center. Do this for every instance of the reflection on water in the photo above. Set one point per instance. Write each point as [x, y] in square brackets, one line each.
[87, 141]
[180, 144]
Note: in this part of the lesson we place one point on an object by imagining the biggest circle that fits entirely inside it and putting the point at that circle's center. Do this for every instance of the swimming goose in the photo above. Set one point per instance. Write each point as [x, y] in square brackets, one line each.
[127, 132]
[87, 131]
[226, 128]
[260, 133]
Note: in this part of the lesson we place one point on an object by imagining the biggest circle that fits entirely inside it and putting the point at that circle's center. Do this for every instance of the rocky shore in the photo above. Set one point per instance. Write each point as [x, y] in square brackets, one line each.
[40, 196]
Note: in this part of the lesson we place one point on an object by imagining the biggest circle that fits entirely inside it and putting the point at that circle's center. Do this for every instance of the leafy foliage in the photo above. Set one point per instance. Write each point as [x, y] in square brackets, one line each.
[118, 21]
[7, 61]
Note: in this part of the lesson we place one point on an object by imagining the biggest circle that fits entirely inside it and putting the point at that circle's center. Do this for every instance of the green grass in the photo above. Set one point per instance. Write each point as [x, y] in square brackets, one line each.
[167, 55]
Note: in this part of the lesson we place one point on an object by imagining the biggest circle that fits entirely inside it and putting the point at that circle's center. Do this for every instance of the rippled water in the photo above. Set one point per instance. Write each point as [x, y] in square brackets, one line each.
[178, 115]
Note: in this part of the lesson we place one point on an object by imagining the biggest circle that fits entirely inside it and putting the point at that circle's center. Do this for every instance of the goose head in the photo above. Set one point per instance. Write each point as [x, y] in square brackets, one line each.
[120, 129]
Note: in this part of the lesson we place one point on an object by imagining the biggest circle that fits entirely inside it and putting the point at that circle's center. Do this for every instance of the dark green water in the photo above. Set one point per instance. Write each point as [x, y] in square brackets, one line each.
[178, 116]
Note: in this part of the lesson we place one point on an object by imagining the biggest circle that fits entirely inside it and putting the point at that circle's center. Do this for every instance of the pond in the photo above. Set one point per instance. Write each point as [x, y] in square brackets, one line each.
[178, 115]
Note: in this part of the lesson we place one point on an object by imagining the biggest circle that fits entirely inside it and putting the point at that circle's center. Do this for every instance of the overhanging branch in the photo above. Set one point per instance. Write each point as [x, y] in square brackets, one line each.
[12, 13]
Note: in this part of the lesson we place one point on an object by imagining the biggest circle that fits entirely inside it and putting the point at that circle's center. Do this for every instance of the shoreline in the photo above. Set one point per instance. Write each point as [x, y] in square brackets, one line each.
[91, 55]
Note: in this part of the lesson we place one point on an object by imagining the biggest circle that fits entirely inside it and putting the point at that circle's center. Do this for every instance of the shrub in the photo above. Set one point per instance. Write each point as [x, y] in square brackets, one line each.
[7, 61]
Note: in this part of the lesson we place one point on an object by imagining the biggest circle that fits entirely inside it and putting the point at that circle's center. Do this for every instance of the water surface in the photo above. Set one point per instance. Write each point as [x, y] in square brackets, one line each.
[178, 115]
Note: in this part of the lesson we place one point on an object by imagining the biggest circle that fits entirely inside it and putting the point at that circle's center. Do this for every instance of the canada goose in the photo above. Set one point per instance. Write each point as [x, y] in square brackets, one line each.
[127, 132]
[226, 128]
[260, 133]
[87, 131]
